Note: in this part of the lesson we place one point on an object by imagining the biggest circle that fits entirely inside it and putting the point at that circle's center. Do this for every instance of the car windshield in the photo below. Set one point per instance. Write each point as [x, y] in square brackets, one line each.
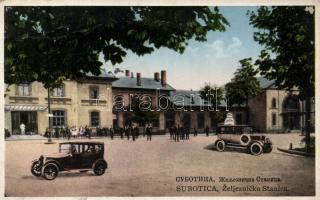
[65, 148]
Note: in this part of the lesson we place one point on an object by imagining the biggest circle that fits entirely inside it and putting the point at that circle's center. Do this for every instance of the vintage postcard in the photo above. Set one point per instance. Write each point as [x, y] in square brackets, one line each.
[152, 99]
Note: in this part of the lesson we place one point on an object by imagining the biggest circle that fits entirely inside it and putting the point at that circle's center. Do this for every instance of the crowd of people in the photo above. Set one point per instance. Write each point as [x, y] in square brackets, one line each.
[177, 133]
[129, 132]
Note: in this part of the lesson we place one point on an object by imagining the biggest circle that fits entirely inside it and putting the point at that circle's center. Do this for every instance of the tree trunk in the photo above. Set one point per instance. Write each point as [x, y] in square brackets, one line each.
[308, 122]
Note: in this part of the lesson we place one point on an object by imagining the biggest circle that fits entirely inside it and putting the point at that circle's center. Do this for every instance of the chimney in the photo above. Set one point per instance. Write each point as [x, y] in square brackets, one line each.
[157, 76]
[138, 79]
[131, 74]
[127, 73]
[164, 78]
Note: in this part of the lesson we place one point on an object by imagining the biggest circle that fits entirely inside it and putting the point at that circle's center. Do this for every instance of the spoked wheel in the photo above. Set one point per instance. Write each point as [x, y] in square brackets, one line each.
[50, 171]
[256, 149]
[220, 145]
[99, 168]
[36, 168]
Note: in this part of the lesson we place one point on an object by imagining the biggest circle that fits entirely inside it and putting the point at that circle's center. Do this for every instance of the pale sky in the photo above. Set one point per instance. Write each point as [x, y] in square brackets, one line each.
[212, 62]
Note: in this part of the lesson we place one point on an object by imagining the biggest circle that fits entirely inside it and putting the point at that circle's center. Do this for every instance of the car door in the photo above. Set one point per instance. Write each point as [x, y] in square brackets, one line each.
[89, 155]
[77, 156]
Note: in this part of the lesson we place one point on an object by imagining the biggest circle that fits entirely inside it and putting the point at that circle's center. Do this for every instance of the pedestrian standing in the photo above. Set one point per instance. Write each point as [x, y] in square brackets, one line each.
[195, 132]
[136, 129]
[178, 134]
[187, 133]
[149, 133]
[128, 132]
[133, 133]
[170, 132]
[111, 133]
[121, 133]
[207, 130]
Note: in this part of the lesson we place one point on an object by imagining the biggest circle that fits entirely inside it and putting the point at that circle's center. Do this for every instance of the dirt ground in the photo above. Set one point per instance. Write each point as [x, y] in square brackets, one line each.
[163, 167]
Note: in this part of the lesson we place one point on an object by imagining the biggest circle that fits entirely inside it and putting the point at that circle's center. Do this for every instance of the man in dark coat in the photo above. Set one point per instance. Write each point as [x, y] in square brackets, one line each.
[111, 133]
[133, 133]
[195, 132]
[149, 132]
[207, 130]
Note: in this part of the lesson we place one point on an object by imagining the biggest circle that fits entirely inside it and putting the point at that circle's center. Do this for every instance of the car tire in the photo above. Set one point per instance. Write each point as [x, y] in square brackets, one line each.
[99, 168]
[220, 145]
[245, 139]
[256, 148]
[36, 168]
[50, 171]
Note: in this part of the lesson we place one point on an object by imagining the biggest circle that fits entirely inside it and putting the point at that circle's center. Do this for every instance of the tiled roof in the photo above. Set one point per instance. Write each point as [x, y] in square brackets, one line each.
[265, 83]
[146, 83]
[103, 74]
[190, 98]
[193, 98]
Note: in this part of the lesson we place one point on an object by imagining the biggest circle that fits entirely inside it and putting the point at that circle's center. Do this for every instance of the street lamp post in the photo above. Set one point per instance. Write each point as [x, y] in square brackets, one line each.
[49, 118]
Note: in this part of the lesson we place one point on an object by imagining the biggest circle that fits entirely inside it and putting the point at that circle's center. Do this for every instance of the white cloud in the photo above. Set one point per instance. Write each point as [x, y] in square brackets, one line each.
[219, 49]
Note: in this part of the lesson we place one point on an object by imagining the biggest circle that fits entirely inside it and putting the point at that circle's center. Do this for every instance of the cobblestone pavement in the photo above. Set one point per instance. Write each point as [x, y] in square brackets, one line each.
[166, 168]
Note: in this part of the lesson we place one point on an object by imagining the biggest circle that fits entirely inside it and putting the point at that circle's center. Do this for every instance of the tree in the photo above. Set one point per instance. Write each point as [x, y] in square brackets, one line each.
[52, 44]
[244, 84]
[141, 108]
[213, 94]
[287, 34]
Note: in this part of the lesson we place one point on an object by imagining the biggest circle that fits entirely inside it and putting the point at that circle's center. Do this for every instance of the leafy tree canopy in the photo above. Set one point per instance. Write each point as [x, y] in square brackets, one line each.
[244, 84]
[287, 34]
[212, 93]
[51, 44]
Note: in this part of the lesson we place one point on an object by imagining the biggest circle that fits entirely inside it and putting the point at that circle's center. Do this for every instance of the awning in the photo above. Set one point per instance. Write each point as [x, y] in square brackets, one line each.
[24, 108]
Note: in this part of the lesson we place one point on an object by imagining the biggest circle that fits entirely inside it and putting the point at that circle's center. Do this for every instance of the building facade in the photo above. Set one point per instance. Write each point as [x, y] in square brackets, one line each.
[94, 101]
[276, 110]
[86, 102]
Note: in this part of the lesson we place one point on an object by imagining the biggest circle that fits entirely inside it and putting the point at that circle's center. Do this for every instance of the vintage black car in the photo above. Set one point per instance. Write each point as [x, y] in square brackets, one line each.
[241, 136]
[81, 156]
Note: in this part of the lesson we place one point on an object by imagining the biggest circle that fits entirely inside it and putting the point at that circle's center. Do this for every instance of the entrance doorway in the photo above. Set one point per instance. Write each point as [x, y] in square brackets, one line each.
[28, 118]
[291, 115]
[186, 120]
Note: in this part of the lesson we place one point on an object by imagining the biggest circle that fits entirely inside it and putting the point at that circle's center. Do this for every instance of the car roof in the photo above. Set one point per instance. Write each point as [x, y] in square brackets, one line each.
[82, 143]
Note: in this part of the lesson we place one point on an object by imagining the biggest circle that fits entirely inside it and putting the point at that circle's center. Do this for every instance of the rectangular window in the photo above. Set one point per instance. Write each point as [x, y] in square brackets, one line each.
[274, 119]
[95, 118]
[58, 118]
[58, 92]
[94, 92]
[24, 90]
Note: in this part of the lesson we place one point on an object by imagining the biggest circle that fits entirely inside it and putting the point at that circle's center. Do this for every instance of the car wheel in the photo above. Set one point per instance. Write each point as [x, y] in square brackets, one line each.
[245, 139]
[220, 145]
[50, 171]
[99, 168]
[256, 149]
[36, 168]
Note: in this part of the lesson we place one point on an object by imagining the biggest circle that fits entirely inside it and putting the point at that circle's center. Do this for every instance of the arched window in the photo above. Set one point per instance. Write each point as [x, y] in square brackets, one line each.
[274, 103]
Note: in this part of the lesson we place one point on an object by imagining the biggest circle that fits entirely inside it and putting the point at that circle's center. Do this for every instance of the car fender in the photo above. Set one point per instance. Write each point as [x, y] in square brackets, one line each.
[100, 160]
[55, 163]
[257, 141]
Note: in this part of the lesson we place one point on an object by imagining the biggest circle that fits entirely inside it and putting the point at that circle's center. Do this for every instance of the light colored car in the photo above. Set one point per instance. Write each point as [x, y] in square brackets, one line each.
[242, 136]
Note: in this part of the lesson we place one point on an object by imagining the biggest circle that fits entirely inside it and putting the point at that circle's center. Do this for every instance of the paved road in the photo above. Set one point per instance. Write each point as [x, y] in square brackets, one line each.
[165, 168]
